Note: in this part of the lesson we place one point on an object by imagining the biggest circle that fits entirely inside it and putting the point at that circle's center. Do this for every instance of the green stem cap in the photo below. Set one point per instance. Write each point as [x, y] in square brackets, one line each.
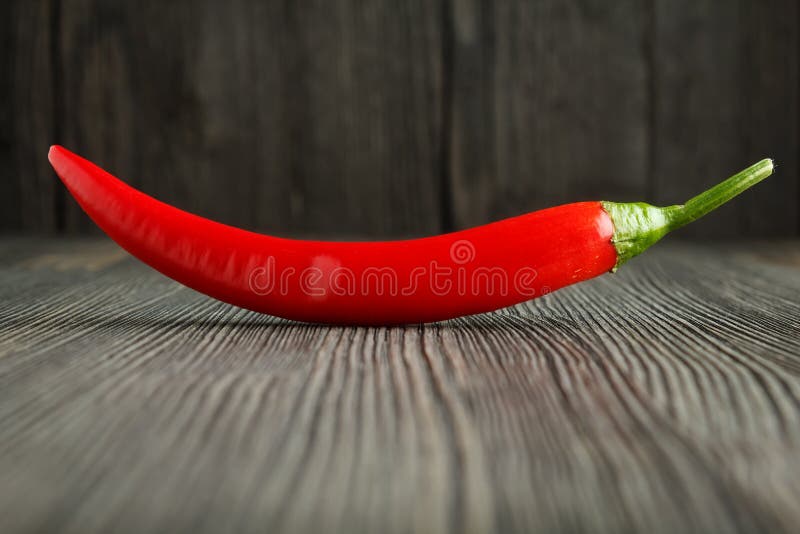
[638, 226]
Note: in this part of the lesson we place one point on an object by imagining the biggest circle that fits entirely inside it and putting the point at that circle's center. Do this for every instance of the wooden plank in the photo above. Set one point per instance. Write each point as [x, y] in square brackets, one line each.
[28, 187]
[386, 120]
[549, 105]
[136, 108]
[315, 118]
[773, 91]
[662, 399]
[361, 126]
[9, 188]
[726, 96]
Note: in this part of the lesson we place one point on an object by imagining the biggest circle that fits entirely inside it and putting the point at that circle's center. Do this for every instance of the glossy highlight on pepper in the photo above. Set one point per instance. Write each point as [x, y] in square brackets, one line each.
[385, 282]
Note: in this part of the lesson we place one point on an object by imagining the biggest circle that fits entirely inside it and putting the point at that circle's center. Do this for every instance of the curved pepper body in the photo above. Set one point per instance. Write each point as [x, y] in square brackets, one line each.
[386, 282]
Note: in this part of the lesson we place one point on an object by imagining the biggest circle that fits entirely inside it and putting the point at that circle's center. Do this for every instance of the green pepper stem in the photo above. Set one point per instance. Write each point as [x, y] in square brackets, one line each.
[721, 193]
[638, 226]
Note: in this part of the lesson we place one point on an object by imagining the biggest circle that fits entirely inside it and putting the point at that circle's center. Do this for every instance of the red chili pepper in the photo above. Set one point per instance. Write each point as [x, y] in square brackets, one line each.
[386, 282]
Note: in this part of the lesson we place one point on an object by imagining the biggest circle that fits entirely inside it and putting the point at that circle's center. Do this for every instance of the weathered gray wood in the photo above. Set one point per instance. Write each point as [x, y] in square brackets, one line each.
[310, 117]
[773, 90]
[28, 192]
[549, 105]
[394, 118]
[700, 106]
[726, 95]
[662, 399]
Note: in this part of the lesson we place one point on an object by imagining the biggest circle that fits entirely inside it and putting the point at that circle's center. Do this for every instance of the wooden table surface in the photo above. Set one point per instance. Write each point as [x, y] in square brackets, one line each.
[662, 399]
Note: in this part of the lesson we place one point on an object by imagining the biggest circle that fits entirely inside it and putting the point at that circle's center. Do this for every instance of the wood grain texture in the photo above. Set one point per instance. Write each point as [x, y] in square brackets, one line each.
[726, 95]
[310, 117]
[774, 91]
[662, 399]
[389, 119]
[28, 189]
[549, 105]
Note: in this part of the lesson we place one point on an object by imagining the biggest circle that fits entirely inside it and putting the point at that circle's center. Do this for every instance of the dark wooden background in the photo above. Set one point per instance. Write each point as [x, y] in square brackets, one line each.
[386, 118]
